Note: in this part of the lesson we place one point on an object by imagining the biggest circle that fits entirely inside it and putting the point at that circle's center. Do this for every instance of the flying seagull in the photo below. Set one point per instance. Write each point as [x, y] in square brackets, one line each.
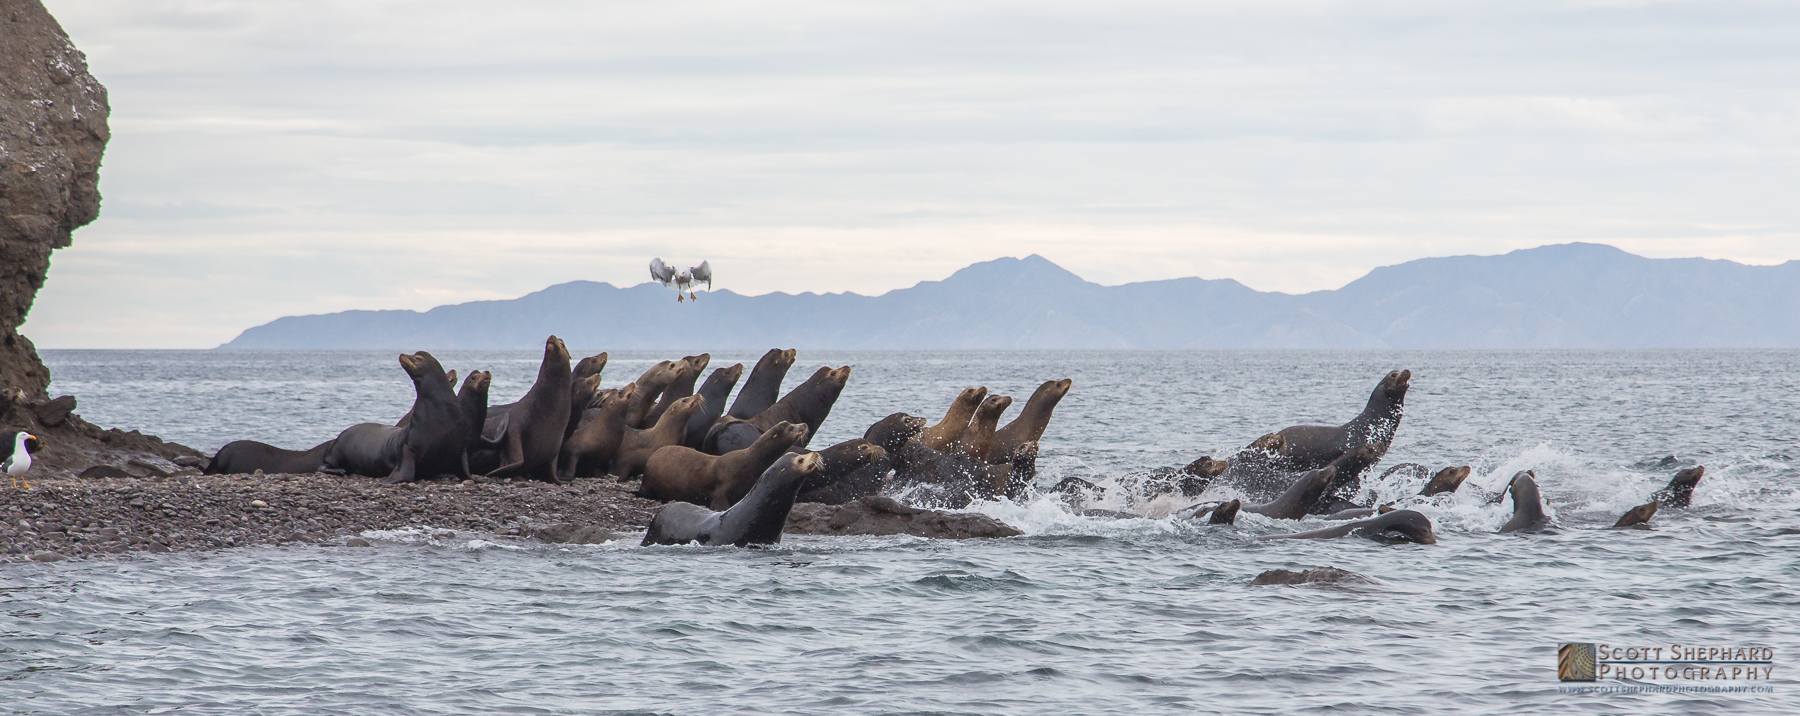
[681, 281]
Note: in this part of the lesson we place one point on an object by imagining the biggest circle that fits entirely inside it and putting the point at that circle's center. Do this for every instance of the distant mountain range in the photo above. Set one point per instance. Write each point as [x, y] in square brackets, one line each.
[1563, 296]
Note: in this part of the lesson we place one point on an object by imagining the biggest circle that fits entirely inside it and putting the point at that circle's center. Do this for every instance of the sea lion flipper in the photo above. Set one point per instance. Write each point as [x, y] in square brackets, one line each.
[406, 471]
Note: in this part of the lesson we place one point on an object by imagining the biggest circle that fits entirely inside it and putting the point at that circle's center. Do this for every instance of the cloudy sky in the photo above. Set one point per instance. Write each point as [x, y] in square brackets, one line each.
[275, 157]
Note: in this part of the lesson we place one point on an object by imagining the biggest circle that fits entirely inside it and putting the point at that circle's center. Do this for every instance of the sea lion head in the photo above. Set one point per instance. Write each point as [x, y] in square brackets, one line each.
[629, 392]
[894, 430]
[699, 362]
[685, 407]
[586, 389]
[804, 464]
[839, 377]
[788, 433]
[421, 364]
[971, 397]
[555, 350]
[478, 380]
[1271, 443]
[1392, 388]
[591, 365]
[1446, 480]
[1226, 514]
[1637, 515]
[1206, 467]
[450, 377]
[993, 406]
[731, 374]
[1687, 478]
[1400, 526]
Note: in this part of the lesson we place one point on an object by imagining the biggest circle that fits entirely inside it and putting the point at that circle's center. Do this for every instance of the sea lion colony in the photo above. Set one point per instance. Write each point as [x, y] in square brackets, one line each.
[730, 475]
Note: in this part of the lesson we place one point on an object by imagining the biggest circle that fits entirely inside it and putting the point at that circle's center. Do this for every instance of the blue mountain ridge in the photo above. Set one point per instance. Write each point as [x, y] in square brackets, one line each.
[1561, 296]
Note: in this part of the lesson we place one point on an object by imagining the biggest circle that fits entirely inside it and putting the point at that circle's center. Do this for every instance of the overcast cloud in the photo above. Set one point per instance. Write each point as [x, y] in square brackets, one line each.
[273, 158]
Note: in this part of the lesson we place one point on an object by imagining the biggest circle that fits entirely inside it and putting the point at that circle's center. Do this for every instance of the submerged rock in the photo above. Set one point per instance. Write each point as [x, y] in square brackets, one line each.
[1322, 575]
[571, 533]
[886, 516]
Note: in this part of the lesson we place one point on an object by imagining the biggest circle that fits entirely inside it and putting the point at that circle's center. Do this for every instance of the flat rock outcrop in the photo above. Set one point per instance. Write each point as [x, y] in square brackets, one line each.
[1322, 575]
[52, 134]
[886, 516]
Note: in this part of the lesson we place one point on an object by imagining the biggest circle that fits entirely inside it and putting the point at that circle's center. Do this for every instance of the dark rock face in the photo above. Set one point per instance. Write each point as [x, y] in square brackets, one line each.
[886, 516]
[1322, 575]
[52, 133]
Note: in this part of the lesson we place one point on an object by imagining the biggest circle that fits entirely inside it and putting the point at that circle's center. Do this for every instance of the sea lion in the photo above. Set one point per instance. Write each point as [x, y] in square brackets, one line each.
[1396, 526]
[950, 430]
[449, 377]
[978, 440]
[1529, 514]
[590, 449]
[1637, 515]
[650, 385]
[537, 423]
[636, 446]
[957, 479]
[681, 473]
[582, 392]
[764, 384]
[434, 442]
[687, 371]
[1226, 514]
[367, 449]
[1445, 481]
[756, 519]
[1193, 479]
[1032, 420]
[1405, 472]
[1680, 491]
[852, 469]
[1259, 470]
[1349, 468]
[473, 400]
[590, 366]
[243, 457]
[1306, 447]
[809, 404]
[893, 431]
[1300, 497]
[717, 387]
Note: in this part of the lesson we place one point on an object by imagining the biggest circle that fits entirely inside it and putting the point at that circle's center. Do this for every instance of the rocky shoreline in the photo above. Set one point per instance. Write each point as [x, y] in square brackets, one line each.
[62, 518]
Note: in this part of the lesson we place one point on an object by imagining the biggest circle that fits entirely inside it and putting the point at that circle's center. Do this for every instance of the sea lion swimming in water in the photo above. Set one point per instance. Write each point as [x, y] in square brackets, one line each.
[717, 481]
[1308, 447]
[1292, 504]
[1636, 515]
[949, 430]
[243, 457]
[1029, 426]
[1680, 491]
[1445, 481]
[756, 519]
[534, 429]
[764, 384]
[1396, 526]
[1529, 514]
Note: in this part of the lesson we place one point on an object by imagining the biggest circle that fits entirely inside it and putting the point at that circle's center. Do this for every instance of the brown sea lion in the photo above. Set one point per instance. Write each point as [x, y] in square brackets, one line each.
[1306, 447]
[1680, 490]
[535, 426]
[809, 403]
[650, 385]
[1032, 420]
[1637, 515]
[1446, 481]
[636, 446]
[590, 366]
[687, 372]
[715, 390]
[590, 449]
[978, 440]
[680, 473]
[950, 430]
[1529, 512]
[1226, 514]
[764, 384]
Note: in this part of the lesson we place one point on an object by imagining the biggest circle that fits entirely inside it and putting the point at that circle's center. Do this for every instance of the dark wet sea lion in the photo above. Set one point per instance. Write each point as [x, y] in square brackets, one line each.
[537, 423]
[1299, 498]
[1029, 426]
[1528, 504]
[407, 418]
[1259, 470]
[852, 469]
[959, 479]
[949, 430]
[1445, 481]
[809, 404]
[243, 457]
[367, 449]
[1226, 514]
[717, 481]
[1637, 515]
[715, 390]
[590, 449]
[1307, 447]
[650, 385]
[434, 442]
[581, 397]
[590, 366]
[636, 446]
[1349, 468]
[1680, 490]
[764, 384]
[1396, 526]
[687, 371]
[756, 519]
[894, 430]
[978, 440]
[1353, 513]
[1406, 471]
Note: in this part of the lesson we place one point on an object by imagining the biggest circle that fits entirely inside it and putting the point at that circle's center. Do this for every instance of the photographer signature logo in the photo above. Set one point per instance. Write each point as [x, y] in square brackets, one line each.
[1596, 662]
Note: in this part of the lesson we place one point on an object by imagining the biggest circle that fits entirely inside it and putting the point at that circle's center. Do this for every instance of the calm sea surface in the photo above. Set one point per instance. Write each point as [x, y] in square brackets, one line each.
[1082, 615]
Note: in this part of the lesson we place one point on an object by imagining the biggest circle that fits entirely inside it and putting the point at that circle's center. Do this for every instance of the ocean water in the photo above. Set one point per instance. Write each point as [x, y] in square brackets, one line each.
[1081, 615]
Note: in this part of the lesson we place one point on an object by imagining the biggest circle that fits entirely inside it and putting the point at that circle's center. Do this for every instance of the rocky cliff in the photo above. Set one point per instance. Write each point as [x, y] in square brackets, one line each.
[52, 133]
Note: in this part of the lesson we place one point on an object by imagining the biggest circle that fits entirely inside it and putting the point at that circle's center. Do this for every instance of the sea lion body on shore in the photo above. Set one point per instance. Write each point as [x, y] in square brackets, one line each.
[1637, 515]
[950, 429]
[1396, 526]
[367, 449]
[434, 442]
[1680, 490]
[537, 423]
[808, 404]
[716, 388]
[687, 372]
[851, 469]
[637, 445]
[675, 472]
[589, 451]
[243, 457]
[1529, 513]
[763, 386]
[758, 518]
[1032, 420]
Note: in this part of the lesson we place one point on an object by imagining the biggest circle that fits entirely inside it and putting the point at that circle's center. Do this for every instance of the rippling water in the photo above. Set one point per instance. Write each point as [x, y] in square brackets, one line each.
[1082, 615]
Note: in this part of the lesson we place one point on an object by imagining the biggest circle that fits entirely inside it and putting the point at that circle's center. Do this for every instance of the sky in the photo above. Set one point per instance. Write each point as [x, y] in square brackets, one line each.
[281, 157]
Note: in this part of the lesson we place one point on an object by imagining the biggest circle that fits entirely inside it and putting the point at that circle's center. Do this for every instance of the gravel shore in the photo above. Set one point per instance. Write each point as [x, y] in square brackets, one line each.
[61, 518]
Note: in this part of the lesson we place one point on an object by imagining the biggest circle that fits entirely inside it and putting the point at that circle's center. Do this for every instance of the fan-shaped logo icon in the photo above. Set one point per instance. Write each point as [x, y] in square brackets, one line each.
[1575, 662]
